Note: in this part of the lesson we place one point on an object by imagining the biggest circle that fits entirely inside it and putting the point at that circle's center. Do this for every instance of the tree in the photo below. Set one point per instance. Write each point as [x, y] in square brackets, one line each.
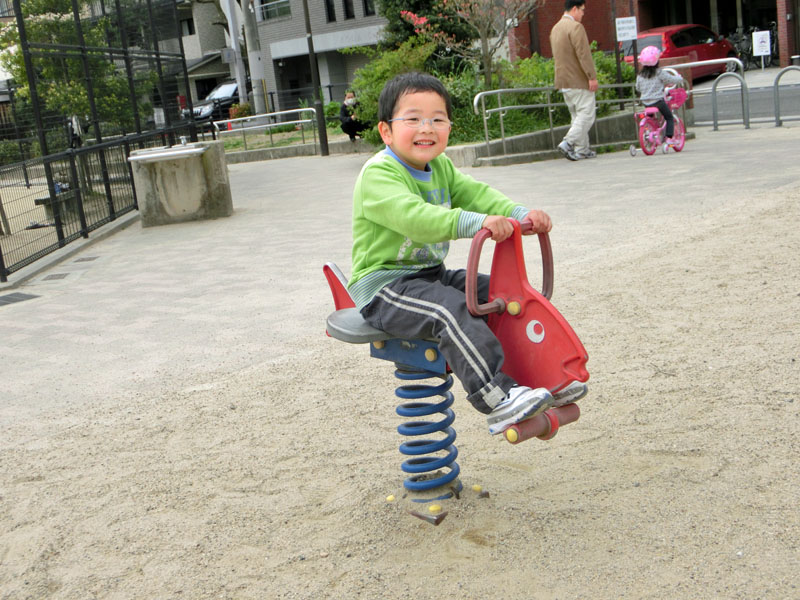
[489, 21]
[398, 29]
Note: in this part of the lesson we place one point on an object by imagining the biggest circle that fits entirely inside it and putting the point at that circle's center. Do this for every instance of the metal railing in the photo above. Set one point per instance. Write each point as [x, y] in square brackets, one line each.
[268, 122]
[48, 202]
[745, 92]
[777, 94]
[501, 109]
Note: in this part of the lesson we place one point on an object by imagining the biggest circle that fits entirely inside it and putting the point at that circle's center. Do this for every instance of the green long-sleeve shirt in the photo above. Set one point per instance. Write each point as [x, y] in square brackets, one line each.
[404, 218]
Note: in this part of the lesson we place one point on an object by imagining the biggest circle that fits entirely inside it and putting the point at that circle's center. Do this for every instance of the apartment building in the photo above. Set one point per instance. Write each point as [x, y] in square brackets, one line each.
[335, 24]
[204, 43]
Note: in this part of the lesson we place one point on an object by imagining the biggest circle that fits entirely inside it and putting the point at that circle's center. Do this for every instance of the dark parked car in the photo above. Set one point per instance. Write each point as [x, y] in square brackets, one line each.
[695, 42]
[214, 107]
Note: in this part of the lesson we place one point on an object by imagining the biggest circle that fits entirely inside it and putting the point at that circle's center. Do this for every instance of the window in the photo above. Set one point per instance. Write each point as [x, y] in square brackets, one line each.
[369, 8]
[187, 27]
[349, 11]
[272, 9]
[330, 11]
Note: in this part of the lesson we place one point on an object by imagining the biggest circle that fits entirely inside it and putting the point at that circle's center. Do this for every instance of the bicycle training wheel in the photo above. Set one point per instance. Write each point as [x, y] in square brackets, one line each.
[679, 135]
[648, 136]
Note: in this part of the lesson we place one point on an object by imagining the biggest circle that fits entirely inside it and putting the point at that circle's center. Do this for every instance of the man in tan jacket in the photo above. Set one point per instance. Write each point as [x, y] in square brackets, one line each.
[576, 77]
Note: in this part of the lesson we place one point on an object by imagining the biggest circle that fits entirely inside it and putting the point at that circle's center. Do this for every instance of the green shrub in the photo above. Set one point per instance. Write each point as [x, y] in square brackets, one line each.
[239, 111]
[9, 152]
[464, 85]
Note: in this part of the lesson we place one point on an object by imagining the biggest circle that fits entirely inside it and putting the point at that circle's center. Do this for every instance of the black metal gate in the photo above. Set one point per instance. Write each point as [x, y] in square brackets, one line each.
[98, 80]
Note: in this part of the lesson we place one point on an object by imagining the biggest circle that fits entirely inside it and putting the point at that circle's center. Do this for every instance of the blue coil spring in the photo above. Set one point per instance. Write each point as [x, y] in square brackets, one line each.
[420, 465]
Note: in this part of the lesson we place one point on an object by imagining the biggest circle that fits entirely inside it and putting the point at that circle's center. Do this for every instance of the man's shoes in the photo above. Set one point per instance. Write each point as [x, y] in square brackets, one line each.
[567, 150]
[520, 403]
[572, 393]
[586, 153]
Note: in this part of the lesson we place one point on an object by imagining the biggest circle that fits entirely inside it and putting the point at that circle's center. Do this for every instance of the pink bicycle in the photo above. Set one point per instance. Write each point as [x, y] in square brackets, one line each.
[652, 126]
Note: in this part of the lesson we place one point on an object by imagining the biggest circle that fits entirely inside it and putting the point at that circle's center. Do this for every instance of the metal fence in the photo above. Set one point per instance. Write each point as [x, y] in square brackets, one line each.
[92, 82]
[91, 186]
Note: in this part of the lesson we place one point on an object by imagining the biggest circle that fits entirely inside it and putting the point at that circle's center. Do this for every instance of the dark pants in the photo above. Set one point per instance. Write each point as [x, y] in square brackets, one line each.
[431, 305]
[665, 111]
[352, 127]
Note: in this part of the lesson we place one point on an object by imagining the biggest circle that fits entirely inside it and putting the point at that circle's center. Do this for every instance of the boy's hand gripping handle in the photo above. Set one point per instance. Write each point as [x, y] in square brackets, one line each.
[498, 305]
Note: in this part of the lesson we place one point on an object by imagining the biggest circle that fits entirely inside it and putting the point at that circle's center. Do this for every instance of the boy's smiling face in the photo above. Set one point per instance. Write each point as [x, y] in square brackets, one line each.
[416, 147]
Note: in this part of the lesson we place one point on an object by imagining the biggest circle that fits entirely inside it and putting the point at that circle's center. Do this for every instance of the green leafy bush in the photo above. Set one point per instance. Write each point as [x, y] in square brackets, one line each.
[464, 85]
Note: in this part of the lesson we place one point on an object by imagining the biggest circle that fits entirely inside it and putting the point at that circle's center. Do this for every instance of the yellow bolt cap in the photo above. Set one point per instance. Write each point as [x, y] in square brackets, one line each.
[431, 354]
[512, 435]
[379, 344]
[390, 498]
[434, 508]
[476, 488]
[514, 308]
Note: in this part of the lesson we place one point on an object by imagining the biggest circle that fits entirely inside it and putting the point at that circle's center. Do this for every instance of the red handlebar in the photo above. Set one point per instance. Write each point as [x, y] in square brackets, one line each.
[498, 304]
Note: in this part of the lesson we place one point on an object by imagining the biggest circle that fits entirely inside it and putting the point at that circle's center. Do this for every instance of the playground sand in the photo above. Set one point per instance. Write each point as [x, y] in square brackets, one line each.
[680, 479]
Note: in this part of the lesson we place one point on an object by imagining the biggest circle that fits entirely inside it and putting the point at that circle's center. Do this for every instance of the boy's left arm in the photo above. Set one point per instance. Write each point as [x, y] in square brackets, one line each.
[476, 196]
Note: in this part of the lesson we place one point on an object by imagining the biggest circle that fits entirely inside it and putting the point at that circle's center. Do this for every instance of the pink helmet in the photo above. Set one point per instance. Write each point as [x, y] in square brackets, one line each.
[649, 56]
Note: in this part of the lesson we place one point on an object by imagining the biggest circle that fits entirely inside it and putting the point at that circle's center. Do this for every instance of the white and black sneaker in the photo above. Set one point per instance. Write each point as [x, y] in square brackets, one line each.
[568, 150]
[520, 403]
[569, 394]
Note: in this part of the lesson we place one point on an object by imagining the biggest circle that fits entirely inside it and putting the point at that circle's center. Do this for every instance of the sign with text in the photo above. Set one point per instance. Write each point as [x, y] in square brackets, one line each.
[626, 29]
[761, 43]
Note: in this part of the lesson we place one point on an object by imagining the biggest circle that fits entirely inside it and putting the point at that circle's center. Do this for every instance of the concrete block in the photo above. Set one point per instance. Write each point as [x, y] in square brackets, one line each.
[183, 183]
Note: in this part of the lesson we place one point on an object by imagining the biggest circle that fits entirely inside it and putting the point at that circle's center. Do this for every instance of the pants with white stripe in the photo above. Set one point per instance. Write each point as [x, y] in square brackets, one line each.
[431, 305]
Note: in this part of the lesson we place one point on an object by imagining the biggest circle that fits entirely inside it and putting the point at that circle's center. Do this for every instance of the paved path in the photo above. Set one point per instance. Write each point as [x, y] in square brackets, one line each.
[146, 311]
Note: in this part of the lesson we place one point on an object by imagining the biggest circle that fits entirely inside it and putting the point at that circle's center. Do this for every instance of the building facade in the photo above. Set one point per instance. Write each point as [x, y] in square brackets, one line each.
[335, 24]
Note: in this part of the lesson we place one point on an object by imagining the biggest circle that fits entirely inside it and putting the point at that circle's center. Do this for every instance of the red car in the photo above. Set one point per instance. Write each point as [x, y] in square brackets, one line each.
[695, 42]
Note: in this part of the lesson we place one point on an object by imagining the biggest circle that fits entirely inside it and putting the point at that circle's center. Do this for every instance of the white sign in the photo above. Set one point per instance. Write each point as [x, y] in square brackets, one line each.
[626, 29]
[761, 43]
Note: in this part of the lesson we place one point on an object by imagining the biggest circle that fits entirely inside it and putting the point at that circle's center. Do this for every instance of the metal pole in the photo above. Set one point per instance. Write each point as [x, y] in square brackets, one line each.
[93, 108]
[123, 36]
[233, 31]
[186, 84]
[254, 57]
[323, 132]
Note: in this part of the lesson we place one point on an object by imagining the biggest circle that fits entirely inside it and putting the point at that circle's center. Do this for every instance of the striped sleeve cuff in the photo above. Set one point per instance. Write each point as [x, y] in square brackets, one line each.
[519, 213]
[469, 223]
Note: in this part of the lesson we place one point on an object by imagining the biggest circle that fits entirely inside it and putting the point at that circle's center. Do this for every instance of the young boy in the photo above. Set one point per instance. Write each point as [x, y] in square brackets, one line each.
[409, 202]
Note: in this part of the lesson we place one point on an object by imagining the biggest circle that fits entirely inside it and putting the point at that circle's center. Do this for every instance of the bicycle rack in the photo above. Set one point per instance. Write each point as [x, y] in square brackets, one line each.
[745, 91]
[777, 95]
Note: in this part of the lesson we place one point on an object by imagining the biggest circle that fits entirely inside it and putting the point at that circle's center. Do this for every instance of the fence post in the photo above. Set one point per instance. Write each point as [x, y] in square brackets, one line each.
[76, 187]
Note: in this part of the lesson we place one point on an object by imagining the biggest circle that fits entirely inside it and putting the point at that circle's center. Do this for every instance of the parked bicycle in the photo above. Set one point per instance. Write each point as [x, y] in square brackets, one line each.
[652, 126]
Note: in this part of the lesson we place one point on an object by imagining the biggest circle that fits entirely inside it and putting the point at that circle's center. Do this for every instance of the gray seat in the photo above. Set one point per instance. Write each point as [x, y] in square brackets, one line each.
[347, 325]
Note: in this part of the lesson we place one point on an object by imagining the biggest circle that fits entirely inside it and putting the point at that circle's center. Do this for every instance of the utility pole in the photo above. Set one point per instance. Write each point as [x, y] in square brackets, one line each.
[323, 132]
[233, 30]
[254, 56]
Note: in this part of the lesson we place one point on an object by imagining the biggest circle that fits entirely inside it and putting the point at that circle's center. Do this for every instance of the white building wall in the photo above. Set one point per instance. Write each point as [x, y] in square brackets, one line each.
[285, 37]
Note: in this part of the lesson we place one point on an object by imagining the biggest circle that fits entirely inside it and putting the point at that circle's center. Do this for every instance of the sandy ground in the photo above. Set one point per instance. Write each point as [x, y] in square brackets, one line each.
[267, 478]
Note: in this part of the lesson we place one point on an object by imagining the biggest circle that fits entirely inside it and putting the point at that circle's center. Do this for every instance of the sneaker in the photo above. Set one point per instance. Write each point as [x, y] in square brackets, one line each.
[567, 150]
[671, 142]
[520, 403]
[572, 393]
[587, 153]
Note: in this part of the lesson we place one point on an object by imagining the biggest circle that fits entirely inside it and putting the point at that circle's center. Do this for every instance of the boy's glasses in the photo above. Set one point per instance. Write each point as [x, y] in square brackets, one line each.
[416, 122]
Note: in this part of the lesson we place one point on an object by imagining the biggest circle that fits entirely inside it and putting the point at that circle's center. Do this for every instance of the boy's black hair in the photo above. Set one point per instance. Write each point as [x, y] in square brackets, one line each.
[570, 4]
[409, 83]
[648, 72]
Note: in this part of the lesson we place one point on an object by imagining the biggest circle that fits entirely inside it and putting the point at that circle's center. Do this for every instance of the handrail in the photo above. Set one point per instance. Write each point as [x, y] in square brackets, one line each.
[745, 99]
[777, 94]
[712, 61]
[269, 126]
[501, 109]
